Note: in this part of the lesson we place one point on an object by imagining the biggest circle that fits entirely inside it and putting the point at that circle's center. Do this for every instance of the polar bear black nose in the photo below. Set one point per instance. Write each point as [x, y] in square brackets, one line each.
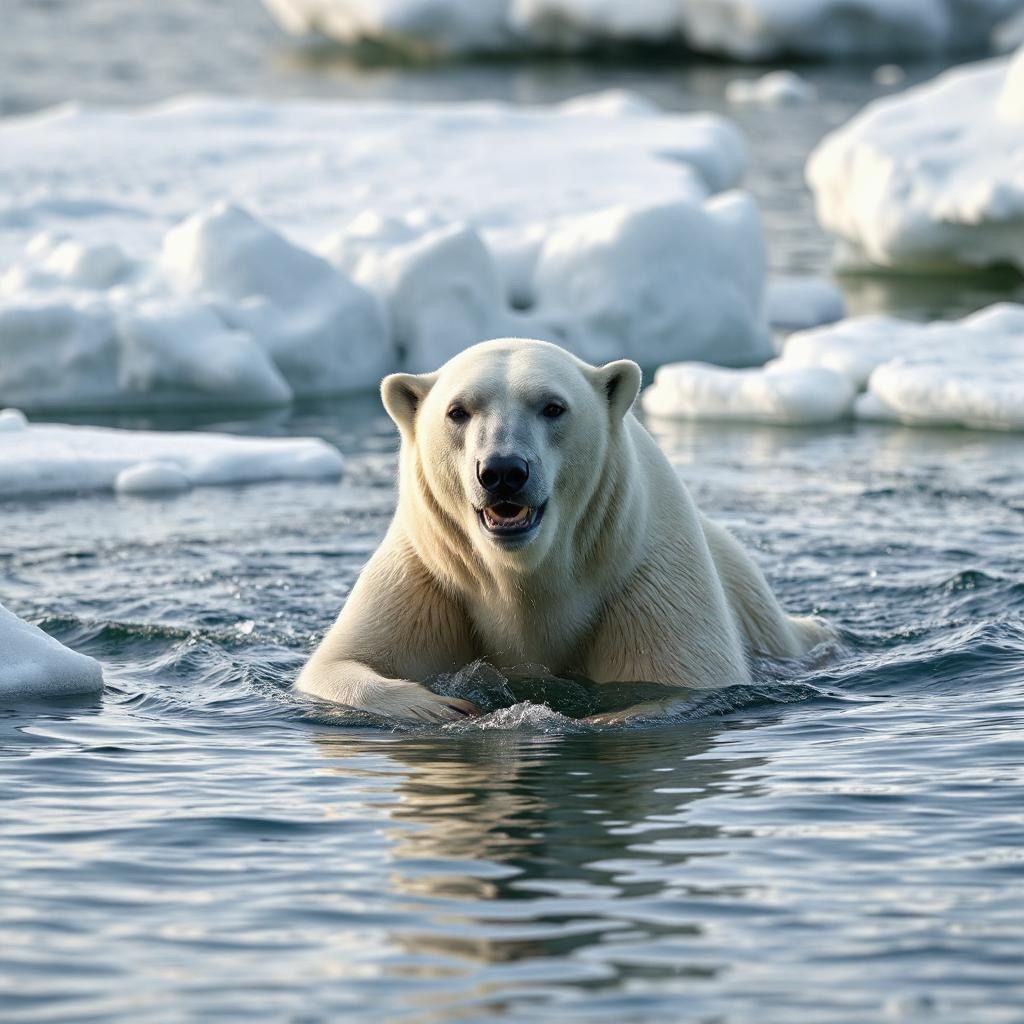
[503, 475]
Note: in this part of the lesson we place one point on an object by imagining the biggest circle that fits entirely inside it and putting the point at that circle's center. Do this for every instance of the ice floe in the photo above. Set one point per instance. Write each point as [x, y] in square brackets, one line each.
[742, 29]
[251, 253]
[35, 666]
[776, 89]
[967, 373]
[759, 29]
[932, 178]
[775, 393]
[50, 458]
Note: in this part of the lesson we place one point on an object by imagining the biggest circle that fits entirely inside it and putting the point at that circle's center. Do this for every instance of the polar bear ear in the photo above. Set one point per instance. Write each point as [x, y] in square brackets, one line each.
[619, 382]
[403, 393]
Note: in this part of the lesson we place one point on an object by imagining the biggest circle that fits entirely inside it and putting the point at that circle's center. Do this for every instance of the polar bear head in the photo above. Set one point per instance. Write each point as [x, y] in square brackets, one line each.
[505, 446]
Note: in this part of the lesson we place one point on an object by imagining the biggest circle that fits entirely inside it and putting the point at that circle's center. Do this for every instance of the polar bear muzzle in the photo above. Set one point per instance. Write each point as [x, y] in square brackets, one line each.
[506, 521]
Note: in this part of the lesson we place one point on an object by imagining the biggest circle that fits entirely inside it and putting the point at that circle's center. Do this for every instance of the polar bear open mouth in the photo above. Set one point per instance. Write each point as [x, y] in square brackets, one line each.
[510, 519]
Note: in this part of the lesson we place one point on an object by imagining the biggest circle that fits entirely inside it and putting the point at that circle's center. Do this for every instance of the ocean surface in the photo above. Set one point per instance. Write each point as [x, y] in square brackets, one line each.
[841, 842]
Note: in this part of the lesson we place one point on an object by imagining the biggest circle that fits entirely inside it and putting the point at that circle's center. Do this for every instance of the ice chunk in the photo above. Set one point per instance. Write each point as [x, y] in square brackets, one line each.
[759, 29]
[743, 29]
[325, 334]
[659, 283]
[151, 477]
[968, 373]
[932, 178]
[793, 303]
[422, 28]
[54, 458]
[35, 666]
[776, 89]
[54, 261]
[75, 350]
[855, 347]
[12, 420]
[775, 393]
[441, 291]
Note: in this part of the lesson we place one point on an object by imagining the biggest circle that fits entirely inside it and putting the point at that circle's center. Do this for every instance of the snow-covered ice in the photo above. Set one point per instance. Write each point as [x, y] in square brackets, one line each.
[55, 458]
[967, 373]
[776, 89]
[759, 29]
[250, 253]
[741, 29]
[35, 666]
[932, 178]
[658, 282]
[325, 334]
[775, 393]
[795, 302]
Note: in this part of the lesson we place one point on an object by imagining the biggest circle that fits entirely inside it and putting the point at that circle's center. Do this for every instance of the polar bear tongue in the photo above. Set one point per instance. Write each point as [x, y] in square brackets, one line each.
[506, 513]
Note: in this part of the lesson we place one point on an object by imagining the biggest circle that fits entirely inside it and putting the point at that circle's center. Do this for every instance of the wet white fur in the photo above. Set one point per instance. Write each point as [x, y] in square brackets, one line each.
[625, 581]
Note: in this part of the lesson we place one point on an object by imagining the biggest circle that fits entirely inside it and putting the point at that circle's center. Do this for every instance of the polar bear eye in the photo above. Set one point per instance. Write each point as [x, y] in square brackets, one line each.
[552, 410]
[458, 414]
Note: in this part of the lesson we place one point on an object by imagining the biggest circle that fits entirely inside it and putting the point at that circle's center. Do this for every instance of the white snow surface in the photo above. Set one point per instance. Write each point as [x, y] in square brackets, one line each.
[742, 29]
[249, 253]
[35, 666]
[775, 393]
[648, 282]
[967, 373]
[55, 458]
[931, 178]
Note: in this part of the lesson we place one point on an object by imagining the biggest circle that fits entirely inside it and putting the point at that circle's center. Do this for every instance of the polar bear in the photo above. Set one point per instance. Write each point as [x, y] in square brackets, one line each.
[539, 523]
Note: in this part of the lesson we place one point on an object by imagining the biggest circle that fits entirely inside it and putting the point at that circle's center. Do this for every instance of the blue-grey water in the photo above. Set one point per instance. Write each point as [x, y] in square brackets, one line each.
[842, 842]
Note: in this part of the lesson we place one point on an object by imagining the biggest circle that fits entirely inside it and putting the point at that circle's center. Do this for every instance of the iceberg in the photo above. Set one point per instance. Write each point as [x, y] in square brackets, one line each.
[35, 666]
[931, 179]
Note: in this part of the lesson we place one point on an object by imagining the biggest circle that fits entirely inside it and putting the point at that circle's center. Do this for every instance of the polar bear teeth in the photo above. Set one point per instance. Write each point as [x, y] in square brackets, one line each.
[507, 515]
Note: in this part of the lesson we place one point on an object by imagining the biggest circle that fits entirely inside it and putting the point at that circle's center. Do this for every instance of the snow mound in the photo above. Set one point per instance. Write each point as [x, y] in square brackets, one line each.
[325, 334]
[55, 459]
[795, 303]
[368, 248]
[441, 289]
[33, 665]
[658, 283]
[776, 89]
[76, 350]
[932, 178]
[776, 393]
[967, 373]
[742, 29]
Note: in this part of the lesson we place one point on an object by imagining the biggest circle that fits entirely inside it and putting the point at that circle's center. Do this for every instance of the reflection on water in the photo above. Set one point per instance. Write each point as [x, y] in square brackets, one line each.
[520, 842]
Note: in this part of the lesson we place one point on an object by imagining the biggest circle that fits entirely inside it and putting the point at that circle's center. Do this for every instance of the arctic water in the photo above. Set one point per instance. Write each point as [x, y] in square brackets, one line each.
[842, 841]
